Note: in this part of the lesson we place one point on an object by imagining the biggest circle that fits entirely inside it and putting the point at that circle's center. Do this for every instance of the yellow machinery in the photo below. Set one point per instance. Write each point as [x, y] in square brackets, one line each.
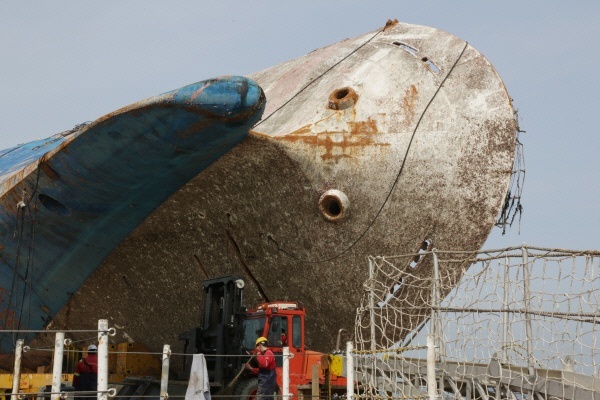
[123, 361]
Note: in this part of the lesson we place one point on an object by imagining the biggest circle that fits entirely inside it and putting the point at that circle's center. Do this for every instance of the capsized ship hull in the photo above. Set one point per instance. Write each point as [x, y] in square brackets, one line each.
[68, 200]
[374, 145]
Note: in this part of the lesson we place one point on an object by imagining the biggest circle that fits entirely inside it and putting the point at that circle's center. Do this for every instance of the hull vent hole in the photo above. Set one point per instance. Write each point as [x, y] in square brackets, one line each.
[341, 99]
[334, 205]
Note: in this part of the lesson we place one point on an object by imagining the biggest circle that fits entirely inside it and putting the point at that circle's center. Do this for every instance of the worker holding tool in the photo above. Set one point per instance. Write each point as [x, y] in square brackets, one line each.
[267, 377]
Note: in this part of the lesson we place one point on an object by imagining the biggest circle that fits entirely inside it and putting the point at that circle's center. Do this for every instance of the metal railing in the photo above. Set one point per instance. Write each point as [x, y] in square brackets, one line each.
[352, 359]
[519, 322]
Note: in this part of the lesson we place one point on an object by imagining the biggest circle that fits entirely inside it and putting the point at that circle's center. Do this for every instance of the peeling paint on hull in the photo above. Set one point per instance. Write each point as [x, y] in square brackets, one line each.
[410, 123]
[69, 200]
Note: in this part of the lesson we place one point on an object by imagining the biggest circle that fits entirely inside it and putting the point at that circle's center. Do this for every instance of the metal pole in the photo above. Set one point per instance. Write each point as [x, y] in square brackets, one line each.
[503, 358]
[435, 311]
[17, 370]
[349, 371]
[164, 375]
[286, 373]
[102, 359]
[431, 381]
[372, 301]
[372, 318]
[59, 347]
[528, 329]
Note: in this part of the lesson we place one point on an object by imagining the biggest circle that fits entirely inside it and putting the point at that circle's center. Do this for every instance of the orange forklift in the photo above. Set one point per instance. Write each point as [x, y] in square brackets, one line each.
[229, 333]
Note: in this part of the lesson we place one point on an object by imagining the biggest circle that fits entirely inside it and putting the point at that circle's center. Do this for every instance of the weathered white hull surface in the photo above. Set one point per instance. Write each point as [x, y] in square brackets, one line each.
[414, 160]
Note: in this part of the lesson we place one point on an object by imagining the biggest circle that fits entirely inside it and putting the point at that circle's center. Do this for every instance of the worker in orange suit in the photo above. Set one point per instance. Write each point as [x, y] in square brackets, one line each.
[85, 377]
[267, 377]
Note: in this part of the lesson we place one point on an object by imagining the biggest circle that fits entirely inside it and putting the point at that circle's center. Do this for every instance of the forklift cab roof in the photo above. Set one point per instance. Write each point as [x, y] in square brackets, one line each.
[275, 307]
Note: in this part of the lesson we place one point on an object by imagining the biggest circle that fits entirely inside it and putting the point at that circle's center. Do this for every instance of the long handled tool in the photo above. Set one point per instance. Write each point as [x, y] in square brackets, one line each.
[229, 388]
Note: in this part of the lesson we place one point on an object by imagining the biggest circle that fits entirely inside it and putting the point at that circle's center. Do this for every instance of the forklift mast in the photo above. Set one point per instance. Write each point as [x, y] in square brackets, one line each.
[221, 332]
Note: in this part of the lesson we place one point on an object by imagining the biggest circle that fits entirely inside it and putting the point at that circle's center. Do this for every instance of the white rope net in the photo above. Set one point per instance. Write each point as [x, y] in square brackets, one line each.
[506, 323]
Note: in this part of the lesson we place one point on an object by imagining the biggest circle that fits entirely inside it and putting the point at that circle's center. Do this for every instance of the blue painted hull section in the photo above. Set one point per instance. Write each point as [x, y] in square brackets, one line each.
[68, 200]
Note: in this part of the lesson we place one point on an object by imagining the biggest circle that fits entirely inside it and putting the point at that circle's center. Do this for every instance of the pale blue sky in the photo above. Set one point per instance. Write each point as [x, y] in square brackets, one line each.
[66, 62]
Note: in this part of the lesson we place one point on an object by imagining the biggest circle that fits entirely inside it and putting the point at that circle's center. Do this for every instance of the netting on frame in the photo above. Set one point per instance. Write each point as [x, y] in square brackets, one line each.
[503, 321]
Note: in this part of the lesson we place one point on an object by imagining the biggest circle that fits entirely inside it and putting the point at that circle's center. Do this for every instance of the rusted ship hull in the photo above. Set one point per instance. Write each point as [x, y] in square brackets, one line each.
[373, 145]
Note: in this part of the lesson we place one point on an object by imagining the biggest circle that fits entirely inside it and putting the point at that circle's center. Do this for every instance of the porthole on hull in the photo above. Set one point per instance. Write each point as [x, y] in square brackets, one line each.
[343, 98]
[334, 205]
